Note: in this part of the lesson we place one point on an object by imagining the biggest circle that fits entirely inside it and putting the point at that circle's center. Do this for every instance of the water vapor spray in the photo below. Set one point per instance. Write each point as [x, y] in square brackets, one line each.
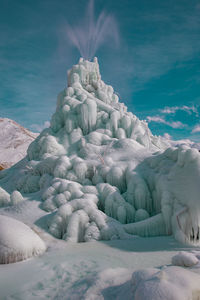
[91, 34]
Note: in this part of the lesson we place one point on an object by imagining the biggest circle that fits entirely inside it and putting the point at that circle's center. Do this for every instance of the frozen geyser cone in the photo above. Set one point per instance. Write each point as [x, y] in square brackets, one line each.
[102, 172]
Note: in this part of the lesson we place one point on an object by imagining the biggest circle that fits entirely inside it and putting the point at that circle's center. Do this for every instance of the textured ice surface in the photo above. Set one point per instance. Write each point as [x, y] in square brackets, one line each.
[170, 283]
[101, 174]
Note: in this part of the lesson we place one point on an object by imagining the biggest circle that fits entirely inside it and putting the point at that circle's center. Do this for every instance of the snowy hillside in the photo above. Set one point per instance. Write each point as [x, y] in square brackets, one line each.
[15, 140]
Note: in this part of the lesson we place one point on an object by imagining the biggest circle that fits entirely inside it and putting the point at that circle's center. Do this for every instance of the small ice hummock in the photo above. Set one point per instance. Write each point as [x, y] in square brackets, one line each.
[18, 241]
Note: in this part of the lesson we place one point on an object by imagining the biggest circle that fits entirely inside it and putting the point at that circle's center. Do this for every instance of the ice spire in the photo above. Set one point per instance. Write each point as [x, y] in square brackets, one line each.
[84, 73]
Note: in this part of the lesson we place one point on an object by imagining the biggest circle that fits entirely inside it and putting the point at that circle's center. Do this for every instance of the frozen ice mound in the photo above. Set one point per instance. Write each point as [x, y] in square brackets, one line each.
[4, 197]
[18, 241]
[184, 259]
[102, 173]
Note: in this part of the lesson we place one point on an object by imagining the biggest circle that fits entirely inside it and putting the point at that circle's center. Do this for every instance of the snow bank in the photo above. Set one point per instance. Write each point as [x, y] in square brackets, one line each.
[109, 283]
[17, 241]
[170, 283]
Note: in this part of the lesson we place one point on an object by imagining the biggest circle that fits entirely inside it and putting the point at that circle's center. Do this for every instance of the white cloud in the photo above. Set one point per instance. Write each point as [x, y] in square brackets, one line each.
[174, 109]
[176, 124]
[181, 142]
[196, 129]
[167, 136]
[157, 119]
[39, 128]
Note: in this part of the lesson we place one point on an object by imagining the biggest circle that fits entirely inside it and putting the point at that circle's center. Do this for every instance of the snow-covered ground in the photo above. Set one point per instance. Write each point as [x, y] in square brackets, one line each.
[15, 140]
[105, 198]
[98, 270]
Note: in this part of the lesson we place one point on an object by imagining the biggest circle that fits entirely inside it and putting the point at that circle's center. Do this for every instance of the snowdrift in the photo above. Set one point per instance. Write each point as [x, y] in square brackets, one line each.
[170, 283]
[102, 174]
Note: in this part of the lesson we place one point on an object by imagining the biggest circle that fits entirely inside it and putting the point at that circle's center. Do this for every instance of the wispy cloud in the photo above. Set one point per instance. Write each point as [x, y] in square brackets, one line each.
[39, 128]
[174, 109]
[167, 136]
[158, 119]
[196, 129]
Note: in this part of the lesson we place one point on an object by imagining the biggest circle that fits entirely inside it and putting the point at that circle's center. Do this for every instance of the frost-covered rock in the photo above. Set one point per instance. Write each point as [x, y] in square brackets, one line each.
[17, 241]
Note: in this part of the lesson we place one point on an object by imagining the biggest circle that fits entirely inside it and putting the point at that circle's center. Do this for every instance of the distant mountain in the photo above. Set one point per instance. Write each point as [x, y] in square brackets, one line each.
[14, 141]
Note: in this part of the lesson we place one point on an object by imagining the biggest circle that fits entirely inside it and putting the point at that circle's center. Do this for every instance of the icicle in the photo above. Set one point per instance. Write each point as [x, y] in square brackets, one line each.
[87, 116]
[153, 226]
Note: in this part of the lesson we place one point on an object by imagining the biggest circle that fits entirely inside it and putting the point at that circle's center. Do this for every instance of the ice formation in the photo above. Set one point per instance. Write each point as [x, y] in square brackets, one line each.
[102, 174]
[18, 241]
[184, 259]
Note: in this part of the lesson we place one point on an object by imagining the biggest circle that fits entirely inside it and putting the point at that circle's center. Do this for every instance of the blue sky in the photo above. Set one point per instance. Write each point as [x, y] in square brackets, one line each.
[155, 68]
